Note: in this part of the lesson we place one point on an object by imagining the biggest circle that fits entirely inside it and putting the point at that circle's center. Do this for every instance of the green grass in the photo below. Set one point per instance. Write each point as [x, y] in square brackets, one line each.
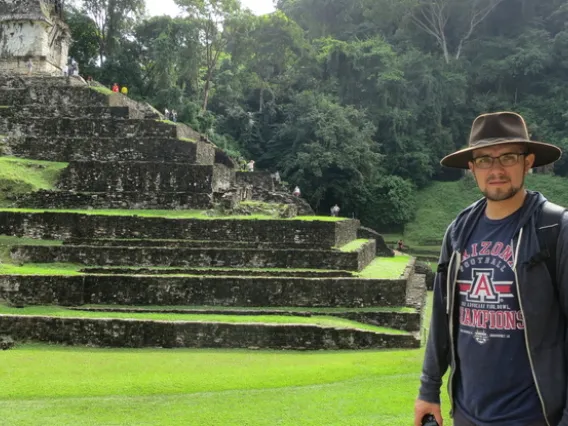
[19, 176]
[400, 309]
[87, 386]
[353, 245]
[101, 89]
[188, 140]
[40, 269]
[441, 202]
[385, 267]
[324, 321]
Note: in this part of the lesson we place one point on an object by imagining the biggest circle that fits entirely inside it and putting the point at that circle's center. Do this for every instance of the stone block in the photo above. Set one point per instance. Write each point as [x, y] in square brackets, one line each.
[199, 257]
[116, 200]
[232, 291]
[53, 225]
[104, 149]
[94, 128]
[146, 333]
[143, 177]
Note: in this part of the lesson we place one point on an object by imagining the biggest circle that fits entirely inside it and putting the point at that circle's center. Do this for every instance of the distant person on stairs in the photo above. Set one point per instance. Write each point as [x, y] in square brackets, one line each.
[297, 192]
[335, 211]
[500, 304]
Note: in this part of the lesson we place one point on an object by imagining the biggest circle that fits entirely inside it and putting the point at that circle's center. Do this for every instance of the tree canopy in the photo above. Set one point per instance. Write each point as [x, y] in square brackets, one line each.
[355, 101]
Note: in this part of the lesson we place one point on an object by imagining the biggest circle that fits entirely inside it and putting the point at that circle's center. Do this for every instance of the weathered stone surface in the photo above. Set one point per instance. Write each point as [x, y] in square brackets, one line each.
[46, 290]
[204, 291]
[52, 95]
[144, 177]
[25, 113]
[228, 257]
[406, 321]
[94, 127]
[426, 270]
[6, 342]
[33, 28]
[382, 249]
[219, 272]
[62, 226]
[100, 149]
[258, 180]
[304, 209]
[143, 333]
[115, 200]
[184, 243]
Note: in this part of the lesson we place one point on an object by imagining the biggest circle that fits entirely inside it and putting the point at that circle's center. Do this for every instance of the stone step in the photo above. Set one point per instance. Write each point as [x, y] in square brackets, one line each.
[144, 290]
[111, 149]
[118, 200]
[53, 96]
[147, 333]
[22, 113]
[202, 257]
[395, 319]
[219, 272]
[63, 225]
[94, 127]
[107, 242]
[144, 177]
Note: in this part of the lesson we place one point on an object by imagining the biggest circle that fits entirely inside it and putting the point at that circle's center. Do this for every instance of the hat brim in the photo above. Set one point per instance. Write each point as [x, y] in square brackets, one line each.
[544, 153]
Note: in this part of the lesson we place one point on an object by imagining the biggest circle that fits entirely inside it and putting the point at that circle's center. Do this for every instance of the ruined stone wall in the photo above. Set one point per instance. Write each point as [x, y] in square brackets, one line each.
[259, 180]
[207, 257]
[32, 28]
[94, 149]
[382, 248]
[203, 291]
[144, 333]
[115, 200]
[96, 176]
[62, 226]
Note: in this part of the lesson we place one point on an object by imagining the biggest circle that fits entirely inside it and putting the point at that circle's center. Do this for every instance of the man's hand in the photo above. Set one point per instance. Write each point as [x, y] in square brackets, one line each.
[421, 408]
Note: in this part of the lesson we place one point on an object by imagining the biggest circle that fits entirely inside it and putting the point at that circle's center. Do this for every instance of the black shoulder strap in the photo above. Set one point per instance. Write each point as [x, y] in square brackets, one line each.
[548, 229]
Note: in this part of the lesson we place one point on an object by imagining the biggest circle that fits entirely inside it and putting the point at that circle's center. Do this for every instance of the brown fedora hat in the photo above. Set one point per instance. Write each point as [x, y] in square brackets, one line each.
[497, 129]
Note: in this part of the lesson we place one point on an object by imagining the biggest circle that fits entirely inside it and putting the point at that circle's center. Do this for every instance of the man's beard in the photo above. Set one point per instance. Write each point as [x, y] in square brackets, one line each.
[502, 195]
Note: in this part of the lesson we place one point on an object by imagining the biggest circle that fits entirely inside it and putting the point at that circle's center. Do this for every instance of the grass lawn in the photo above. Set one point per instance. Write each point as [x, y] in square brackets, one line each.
[253, 309]
[19, 176]
[86, 386]
[385, 267]
[353, 246]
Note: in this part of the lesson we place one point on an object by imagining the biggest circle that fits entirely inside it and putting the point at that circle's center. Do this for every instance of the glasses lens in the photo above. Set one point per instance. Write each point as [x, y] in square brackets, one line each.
[509, 159]
[484, 162]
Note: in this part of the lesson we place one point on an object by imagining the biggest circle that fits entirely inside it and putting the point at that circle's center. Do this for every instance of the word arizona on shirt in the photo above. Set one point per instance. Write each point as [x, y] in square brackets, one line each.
[494, 383]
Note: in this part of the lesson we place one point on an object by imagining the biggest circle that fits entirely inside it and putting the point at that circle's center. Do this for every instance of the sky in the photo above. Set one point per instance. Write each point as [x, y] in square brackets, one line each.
[168, 7]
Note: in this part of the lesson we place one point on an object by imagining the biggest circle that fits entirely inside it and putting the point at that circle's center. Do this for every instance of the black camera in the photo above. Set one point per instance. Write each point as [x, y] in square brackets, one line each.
[429, 420]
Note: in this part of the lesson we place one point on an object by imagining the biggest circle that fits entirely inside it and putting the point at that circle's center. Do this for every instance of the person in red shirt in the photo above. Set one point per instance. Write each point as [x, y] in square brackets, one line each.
[115, 88]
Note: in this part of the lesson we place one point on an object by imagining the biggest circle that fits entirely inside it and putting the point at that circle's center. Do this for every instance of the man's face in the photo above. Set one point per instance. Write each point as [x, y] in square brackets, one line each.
[500, 182]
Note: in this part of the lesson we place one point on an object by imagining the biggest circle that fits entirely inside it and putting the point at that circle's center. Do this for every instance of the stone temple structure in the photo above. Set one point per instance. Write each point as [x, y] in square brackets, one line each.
[114, 254]
[33, 29]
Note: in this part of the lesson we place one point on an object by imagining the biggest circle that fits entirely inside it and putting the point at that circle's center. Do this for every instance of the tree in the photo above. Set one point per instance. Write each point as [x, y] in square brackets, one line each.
[112, 18]
[451, 22]
[213, 19]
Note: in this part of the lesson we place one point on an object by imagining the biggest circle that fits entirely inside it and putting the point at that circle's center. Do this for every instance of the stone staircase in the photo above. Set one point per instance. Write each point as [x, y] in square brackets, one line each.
[118, 278]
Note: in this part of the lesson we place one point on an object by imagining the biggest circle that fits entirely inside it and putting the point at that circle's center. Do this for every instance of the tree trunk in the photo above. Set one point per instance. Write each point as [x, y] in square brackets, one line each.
[207, 89]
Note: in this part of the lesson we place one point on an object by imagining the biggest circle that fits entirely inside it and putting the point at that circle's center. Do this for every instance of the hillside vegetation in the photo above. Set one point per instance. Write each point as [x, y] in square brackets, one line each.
[19, 176]
[438, 205]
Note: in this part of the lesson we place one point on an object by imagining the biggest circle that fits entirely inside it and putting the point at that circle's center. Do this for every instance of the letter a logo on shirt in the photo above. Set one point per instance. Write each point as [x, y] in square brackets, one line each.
[482, 289]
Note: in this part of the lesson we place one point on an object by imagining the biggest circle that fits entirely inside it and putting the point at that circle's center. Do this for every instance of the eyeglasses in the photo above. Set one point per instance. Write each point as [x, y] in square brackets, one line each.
[506, 160]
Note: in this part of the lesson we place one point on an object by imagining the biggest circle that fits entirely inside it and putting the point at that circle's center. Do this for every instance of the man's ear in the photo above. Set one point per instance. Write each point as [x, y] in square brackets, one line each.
[529, 161]
[470, 165]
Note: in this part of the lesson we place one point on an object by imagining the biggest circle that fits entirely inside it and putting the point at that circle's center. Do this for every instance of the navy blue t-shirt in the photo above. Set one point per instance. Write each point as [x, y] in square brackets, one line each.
[494, 383]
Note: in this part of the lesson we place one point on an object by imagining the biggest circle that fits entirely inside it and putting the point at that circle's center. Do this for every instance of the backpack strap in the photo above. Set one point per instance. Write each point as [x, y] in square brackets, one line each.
[548, 229]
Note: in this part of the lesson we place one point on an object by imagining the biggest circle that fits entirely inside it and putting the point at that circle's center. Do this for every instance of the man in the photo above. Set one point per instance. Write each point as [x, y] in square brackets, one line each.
[124, 90]
[115, 88]
[498, 320]
[335, 210]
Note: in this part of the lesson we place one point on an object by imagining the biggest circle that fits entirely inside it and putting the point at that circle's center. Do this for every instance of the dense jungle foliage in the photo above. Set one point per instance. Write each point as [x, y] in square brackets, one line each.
[354, 101]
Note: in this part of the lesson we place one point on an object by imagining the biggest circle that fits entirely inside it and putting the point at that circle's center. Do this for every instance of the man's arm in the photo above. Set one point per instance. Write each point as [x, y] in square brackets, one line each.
[562, 285]
[436, 359]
